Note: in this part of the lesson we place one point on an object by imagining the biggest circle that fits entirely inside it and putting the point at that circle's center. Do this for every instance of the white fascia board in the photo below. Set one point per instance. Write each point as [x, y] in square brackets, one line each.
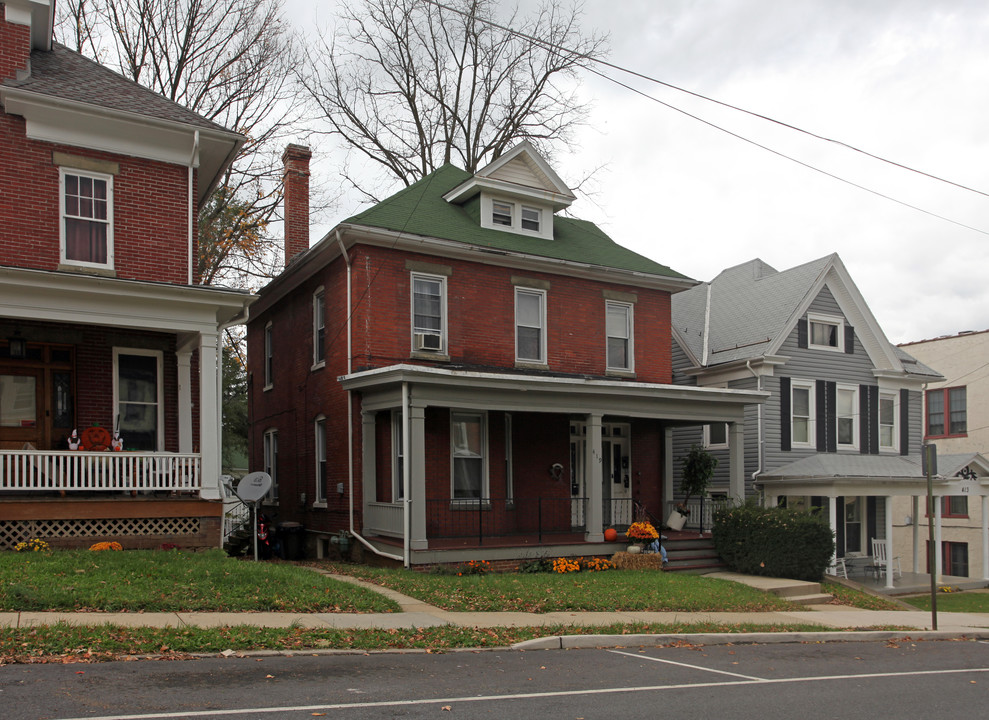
[68, 122]
[90, 300]
[475, 185]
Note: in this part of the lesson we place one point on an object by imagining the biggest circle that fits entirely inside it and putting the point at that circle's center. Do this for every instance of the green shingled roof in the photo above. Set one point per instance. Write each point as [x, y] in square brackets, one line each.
[421, 210]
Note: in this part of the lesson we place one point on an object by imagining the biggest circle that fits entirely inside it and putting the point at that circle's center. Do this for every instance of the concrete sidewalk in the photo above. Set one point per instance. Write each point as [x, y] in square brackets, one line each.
[416, 614]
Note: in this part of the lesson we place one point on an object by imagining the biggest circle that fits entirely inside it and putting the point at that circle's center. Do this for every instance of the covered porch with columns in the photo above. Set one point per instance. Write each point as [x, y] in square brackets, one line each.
[557, 458]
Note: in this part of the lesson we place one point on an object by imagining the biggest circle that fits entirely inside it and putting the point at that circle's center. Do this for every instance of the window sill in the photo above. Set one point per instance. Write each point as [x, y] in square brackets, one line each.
[827, 348]
[319, 505]
[625, 374]
[942, 437]
[266, 388]
[318, 366]
[469, 505]
[434, 356]
[87, 270]
[531, 365]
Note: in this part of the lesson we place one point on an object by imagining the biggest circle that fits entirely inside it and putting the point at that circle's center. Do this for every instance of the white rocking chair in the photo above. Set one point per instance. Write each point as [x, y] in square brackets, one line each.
[881, 561]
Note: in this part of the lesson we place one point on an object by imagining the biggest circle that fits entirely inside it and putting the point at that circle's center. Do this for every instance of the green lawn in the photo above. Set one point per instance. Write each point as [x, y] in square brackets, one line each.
[970, 602]
[171, 581]
[585, 591]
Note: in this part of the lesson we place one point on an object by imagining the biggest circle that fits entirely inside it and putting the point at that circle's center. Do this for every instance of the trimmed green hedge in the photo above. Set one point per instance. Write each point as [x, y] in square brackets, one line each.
[775, 542]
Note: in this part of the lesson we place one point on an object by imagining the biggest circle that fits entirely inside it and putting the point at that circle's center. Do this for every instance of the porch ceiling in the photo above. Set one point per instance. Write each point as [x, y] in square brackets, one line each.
[96, 300]
[382, 389]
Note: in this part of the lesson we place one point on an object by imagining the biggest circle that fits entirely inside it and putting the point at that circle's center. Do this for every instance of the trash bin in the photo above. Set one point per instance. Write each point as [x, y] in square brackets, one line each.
[292, 538]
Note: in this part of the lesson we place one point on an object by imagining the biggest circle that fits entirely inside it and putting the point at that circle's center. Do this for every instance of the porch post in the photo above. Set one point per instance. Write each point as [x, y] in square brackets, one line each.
[417, 477]
[736, 461]
[183, 359]
[985, 537]
[209, 418]
[369, 472]
[667, 471]
[593, 479]
[890, 551]
[833, 522]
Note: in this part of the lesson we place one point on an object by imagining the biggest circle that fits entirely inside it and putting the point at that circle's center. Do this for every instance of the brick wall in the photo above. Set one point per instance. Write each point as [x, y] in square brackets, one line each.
[15, 46]
[150, 208]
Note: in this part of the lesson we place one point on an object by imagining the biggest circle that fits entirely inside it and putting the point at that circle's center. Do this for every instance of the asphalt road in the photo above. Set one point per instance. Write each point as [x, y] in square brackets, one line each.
[874, 680]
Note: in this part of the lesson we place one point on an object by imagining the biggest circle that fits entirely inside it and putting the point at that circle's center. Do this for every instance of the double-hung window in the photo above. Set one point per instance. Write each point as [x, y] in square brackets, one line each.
[501, 213]
[318, 328]
[619, 330]
[269, 357]
[826, 332]
[319, 441]
[86, 202]
[530, 325]
[531, 218]
[888, 436]
[469, 454]
[947, 412]
[847, 416]
[138, 392]
[801, 413]
[716, 435]
[271, 461]
[429, 313]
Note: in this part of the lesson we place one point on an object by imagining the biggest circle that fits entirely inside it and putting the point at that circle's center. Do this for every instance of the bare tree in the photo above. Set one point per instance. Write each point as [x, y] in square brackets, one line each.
[411, 84]
[229, 61]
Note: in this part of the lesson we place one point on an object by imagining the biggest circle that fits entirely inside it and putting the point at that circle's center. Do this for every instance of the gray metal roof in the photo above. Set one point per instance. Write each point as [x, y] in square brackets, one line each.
[914, 366]
[65, 74]
[833, 465]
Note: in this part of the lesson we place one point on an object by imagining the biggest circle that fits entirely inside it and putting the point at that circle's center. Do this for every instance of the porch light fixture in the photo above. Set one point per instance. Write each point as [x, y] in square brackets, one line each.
[17, 346]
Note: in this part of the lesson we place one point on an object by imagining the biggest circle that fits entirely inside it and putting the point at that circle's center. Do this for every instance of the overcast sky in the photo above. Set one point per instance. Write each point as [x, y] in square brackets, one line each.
[907, 80]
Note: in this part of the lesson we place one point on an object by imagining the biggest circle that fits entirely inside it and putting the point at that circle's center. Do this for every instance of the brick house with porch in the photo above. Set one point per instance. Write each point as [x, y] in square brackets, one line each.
[462, 372]
[104, 327]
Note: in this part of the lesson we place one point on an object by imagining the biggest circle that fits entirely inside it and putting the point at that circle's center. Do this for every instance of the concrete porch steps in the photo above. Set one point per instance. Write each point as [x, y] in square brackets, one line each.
[801, 592]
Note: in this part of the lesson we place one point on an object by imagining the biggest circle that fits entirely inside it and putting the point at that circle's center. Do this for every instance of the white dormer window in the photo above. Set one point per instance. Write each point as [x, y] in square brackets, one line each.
[530, 218]
[826, 332]
[501, 213]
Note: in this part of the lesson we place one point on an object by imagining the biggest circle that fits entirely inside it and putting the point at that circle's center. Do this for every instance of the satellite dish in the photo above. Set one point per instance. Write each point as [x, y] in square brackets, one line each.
[254, 486]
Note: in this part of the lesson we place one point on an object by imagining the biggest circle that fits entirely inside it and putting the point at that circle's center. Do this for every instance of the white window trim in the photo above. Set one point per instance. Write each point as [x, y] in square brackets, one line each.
[630, 308]
[854, 444]
[319, 452]
[318, 303]
[62, 172]
[836, 320]
[811, 409]
[269, 441]
[117, 352]
[269, 356]
[397, 457]
[545, 230]
[485, 456]
[541, 294]
[715, 446]
[895, 447]
[443, 313]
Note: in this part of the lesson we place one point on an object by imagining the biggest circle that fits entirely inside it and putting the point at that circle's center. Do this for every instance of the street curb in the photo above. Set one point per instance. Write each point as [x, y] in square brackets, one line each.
[570, 642]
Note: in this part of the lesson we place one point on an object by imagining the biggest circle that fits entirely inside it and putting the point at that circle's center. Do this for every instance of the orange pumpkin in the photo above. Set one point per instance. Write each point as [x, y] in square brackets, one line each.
[610, 535]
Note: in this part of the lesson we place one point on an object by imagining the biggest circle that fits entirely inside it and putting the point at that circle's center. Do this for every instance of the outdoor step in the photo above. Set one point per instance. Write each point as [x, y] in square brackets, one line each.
[815, 599]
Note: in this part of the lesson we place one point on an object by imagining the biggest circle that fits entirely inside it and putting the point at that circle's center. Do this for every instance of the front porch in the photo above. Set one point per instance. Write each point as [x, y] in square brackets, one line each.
[909, 583]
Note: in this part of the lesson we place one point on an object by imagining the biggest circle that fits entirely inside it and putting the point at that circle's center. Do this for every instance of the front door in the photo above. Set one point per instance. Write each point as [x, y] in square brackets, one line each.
[21, 409]
[36, 397]
[616, 475]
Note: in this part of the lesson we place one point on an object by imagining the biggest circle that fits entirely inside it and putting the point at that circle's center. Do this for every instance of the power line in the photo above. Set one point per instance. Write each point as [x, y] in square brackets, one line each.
[560, 48]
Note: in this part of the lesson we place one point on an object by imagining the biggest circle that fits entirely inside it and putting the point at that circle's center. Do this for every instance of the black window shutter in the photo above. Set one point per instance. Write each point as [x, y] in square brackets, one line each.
[831, 390]
[904, 422]
[784, 413]
[865, 420]
[802, 333]
[874, 420]
[849, 340]
[820, 415]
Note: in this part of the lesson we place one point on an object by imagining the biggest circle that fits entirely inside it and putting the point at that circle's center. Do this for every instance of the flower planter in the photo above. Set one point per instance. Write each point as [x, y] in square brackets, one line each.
[676, 521]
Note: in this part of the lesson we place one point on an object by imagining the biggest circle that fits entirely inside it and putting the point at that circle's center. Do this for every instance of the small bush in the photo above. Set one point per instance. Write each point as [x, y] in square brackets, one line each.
[774, 542]
[32, 545]
[535, 565]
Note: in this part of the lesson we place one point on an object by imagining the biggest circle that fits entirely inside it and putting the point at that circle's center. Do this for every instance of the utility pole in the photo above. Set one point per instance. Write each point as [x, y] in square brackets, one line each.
[930, 467]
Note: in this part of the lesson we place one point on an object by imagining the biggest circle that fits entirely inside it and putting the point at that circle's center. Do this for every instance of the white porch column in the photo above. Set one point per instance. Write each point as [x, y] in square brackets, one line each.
[736, 461]
[890, 550]
[667, 470]
[915, 527]
[369, 472]
[209, 417]
[833, 520]
[985, 537]
[417, 477]
[183, 359]
[594, 476]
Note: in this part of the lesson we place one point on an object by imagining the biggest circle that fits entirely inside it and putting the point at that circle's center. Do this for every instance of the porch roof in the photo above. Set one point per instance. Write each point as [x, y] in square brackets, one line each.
[506, 391]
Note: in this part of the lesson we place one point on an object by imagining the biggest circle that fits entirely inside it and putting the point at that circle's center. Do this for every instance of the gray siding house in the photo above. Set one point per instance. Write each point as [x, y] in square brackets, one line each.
[843, 426]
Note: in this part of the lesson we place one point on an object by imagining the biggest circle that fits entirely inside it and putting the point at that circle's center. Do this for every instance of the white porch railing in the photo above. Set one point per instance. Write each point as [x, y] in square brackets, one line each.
[384, 519]
[75, 471]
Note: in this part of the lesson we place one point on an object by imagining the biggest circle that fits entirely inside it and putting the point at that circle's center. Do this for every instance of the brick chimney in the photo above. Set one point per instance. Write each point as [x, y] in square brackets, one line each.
[16, 38]
[295, 160]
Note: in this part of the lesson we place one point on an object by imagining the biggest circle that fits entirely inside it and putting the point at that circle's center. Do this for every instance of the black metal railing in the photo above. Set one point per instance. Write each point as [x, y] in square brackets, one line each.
[531, 518]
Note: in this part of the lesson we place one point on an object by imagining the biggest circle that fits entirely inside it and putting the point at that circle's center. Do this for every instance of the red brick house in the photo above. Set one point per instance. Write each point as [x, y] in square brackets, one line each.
[104, 326]
[463, 372]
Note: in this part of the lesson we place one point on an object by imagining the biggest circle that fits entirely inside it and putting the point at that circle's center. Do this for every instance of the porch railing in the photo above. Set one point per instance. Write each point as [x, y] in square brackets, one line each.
[480, 519]
[384, 519]
[701, 512]
[75, 471]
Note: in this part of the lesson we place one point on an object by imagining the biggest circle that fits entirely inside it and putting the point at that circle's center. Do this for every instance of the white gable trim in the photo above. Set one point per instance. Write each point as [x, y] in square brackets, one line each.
[534, 160]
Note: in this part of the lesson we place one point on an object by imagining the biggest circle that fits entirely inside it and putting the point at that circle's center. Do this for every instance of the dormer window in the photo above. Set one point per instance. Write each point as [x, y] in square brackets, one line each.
[530, 218]
[501, 213]
[826, 332]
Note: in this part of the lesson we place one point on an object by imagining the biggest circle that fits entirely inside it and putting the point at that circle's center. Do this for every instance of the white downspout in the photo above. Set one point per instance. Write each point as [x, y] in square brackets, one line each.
[350, 421]
[193, 163]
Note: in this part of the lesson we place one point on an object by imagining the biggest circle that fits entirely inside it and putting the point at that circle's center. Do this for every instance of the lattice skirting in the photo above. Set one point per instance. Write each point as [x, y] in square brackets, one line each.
[142, 532]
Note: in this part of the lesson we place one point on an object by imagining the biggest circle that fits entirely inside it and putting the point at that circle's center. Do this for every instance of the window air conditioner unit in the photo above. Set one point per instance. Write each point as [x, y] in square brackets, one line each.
[428, 341]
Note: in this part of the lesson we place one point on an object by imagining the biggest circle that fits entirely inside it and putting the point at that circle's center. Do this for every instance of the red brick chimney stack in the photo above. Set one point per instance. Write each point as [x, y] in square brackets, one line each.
[295, 159]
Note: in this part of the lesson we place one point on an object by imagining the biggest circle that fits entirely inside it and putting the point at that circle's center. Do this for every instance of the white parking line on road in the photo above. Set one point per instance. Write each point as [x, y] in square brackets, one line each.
[517, 696]
[686, 665]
